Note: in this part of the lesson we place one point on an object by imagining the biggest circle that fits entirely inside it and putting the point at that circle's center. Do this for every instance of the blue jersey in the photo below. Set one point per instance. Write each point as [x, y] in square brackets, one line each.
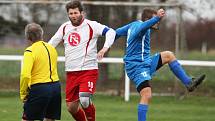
[138, 62]
[138, 39]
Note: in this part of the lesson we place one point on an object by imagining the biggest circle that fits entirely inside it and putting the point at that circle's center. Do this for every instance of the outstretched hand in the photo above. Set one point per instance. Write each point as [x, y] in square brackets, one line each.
[161, 13]
[101, 53]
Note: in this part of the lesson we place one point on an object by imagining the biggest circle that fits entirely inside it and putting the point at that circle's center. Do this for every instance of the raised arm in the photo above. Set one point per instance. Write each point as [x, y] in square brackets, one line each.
[149, 23]
[141, 26]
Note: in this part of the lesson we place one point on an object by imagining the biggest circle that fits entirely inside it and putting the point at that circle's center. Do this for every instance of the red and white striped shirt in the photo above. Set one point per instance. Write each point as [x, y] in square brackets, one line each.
[80, 43]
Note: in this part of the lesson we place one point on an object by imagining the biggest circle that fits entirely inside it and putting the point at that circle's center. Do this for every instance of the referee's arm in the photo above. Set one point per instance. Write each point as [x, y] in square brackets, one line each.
[25, 76]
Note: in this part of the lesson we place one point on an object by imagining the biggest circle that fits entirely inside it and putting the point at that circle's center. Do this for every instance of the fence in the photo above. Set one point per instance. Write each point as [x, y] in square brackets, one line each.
[118, 61]
[114, 11]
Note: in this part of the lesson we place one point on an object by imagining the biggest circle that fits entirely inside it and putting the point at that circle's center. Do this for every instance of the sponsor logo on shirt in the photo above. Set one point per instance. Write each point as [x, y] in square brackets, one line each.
[74, 39]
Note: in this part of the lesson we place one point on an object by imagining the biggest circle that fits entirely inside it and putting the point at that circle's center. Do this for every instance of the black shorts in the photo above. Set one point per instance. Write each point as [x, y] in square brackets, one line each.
[43, 101]
[143, 85]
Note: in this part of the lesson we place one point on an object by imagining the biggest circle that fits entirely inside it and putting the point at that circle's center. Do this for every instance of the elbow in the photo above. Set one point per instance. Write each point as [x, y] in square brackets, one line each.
[110, 37]
[25, 76]
[24, 80]
[111, 34]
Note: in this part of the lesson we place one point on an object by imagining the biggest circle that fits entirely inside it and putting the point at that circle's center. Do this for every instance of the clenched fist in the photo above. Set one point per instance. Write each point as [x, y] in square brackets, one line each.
[161, 13]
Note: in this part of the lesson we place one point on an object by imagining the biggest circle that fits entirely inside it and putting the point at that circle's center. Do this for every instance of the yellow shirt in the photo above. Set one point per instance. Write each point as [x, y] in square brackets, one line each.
[39, 66]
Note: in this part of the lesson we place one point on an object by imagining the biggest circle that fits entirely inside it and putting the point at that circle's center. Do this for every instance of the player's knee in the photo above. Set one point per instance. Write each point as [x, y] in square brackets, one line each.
[84, 98]
[147, 96]
[72, 107]
[169, 56]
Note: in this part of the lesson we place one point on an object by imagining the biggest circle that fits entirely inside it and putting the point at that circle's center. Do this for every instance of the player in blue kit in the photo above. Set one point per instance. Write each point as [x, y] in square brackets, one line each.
[140, 65]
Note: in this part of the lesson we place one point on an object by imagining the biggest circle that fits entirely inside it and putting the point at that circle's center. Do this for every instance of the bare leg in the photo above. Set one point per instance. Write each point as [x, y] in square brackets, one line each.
[146, 95]
[179, 72]
[167, 57]
[175, 66]
[76, 111]
[46, 119]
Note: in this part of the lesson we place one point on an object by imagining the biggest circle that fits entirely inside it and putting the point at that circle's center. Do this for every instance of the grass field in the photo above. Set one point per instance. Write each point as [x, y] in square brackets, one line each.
[10, 72]
[113, 108]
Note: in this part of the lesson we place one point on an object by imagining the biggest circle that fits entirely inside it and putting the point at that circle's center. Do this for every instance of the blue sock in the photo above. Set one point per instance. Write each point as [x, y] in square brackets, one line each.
[142, 110]
[179, 72]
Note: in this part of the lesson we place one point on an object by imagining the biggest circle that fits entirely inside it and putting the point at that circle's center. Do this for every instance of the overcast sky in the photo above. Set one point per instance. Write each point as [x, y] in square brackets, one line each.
[194, 10]
[204, 9]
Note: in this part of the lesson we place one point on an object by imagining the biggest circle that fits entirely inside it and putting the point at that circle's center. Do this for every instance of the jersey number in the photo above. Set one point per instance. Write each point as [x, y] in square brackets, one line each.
[90, 85]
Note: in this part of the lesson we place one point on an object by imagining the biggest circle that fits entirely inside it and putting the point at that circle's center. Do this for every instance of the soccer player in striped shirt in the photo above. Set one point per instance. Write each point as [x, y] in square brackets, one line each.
[79, 36]
[140, 65]
[40, 88]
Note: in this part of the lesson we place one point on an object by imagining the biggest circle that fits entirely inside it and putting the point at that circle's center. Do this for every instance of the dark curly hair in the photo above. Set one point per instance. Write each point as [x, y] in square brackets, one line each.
[148, 13]
[74, 4]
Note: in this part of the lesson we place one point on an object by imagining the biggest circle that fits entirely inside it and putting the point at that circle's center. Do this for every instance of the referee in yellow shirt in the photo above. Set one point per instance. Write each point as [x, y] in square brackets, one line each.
[40, 89]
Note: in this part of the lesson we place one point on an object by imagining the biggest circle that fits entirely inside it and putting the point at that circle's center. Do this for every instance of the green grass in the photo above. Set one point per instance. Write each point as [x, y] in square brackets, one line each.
[10, 71]
[20, 51]
[11, 51]
[113, 108]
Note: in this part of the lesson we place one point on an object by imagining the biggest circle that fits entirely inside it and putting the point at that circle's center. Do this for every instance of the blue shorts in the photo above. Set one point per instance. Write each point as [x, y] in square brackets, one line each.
[43, 101]
[140, 72]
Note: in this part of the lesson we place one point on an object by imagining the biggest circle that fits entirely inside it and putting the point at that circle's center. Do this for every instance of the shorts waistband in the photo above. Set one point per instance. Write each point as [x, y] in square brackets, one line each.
[46, 83]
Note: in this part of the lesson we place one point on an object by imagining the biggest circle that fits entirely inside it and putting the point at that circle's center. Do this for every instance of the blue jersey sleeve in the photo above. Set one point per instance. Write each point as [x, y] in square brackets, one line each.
[146, 24]
[122, 31]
